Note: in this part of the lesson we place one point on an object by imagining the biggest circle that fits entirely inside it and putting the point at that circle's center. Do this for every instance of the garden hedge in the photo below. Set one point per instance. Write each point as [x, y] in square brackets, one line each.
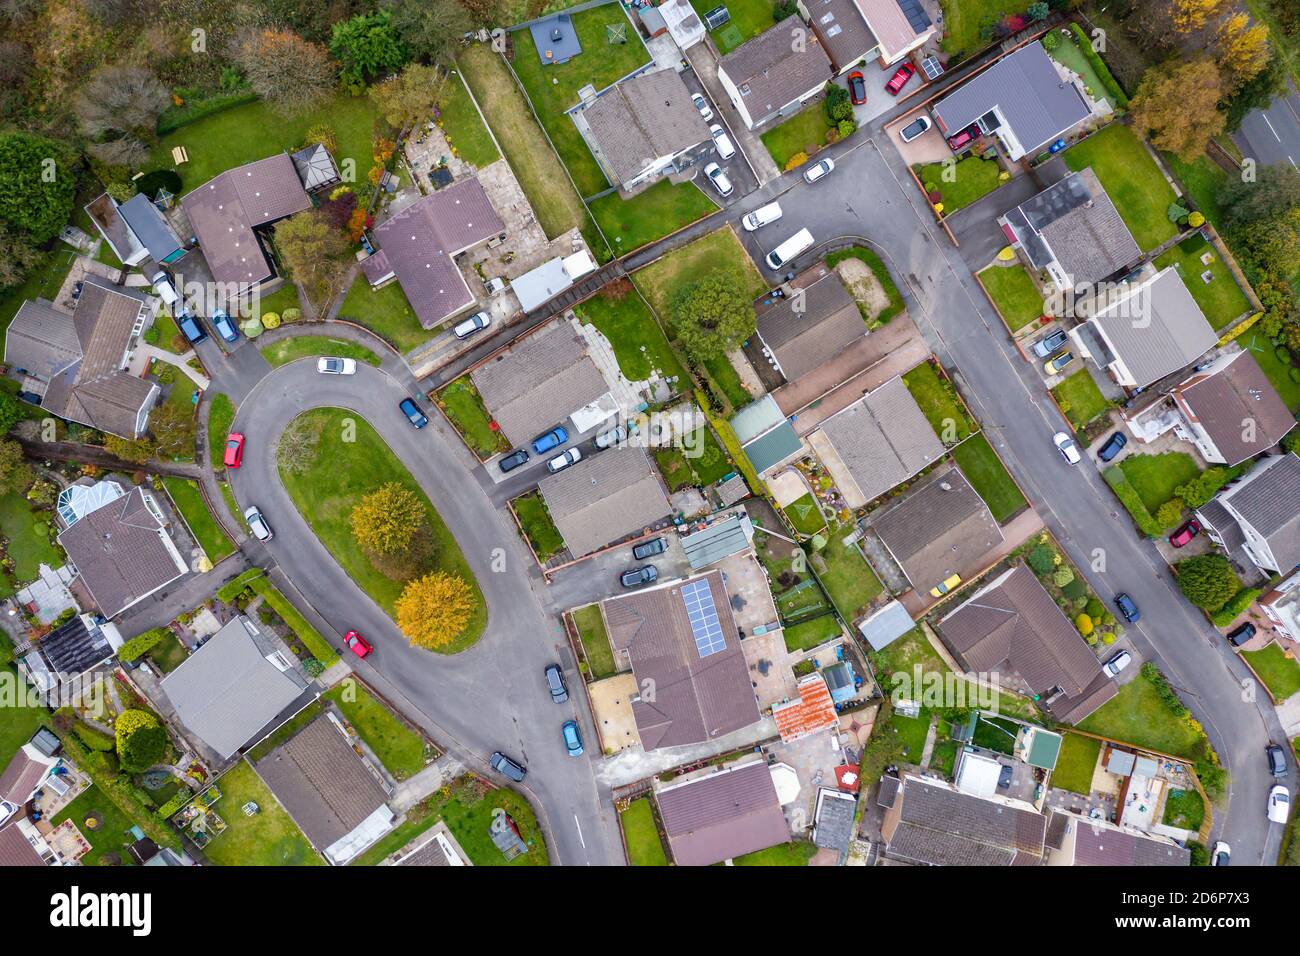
[1103, 71]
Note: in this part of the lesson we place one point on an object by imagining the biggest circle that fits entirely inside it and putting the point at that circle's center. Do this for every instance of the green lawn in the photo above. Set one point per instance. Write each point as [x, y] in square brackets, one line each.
[1278, 373]
[805, 516]
[1201, 181]
[963, 18]
[848, 579]
[795, 853]
[27, 531]
[285, 297]
[911, 732]
[1080, 398]
[659, 211]
[1280, 674]
[939, 401]
[168, 654]
[1138, 715]
[638, 341]
[539, 529]
[1070, 55]
[463, 126]
[810, 634]
[972, 179]
[996, 734]
[112, 836]
[989, 477]
[725, 381]
[461, 403]
[805, 132]
[328, 489]
[43, 282]
[553, 88]
[595, 641]
[1014, 293]
[1155, 477]
[719, 251]
[189, 501]
[644, 848]
[1219, 299]
[1184, 808]
[1131, 179]
[180, 391]
[749, 18]
[385, 312]
[303, 346]
[399, 748]
[268, 838]
[221, 416]
[1076, 763]
[17, 723]
[698, 461]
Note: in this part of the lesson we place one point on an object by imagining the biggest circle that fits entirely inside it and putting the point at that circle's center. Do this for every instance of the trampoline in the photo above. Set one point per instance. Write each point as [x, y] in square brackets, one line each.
[555, 39]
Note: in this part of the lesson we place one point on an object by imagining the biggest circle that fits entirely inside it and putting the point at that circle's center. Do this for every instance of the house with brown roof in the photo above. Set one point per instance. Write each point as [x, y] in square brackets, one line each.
[1011, 625]
[775, 73]
[722, 815]
[940, 530]
[1230, 410]
[854, 31]
[929, 822]
[418, 247]
[811, 712]
[807, 322]
[77, 363]
[1074, 840]
[642, 128]
[22, 777]
[684, 650]
[606, 497]
[1257, 518]
[122, 552]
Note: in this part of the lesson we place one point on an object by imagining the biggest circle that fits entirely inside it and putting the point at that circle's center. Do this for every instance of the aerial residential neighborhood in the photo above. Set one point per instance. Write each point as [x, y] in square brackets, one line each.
[840, 433]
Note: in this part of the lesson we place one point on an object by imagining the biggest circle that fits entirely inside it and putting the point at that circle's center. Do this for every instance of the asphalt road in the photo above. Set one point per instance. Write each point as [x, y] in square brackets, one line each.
[490, 697]
[1273, 135]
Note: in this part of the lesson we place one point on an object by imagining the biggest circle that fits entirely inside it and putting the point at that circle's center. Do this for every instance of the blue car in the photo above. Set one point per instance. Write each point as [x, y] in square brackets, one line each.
[556, 437]
[191, 329]
[225, 328]
[1114, 445]
[572, 738]
[413, 413]
[1127, 609]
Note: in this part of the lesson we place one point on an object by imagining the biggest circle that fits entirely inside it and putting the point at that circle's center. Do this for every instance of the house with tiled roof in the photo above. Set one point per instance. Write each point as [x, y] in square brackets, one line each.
[1074, 840]
[929, 822]
[722, 815]
[1257, 518]
[775, 73]
[604, 498]
[807, 322]
[1230, 410]
[811, 712]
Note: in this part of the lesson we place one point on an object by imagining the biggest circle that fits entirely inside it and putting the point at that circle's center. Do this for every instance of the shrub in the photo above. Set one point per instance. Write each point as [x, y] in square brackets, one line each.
[270, 320]
[1062, 576]
[178, 800]
[291, 314]
[141, 644]
[1051, 41]
[1151, 673]
[798, 159]
[1207, 580]
[1237, 605]
[1092, 56]
[1283, 354]
[141, 740]
[1096, 610]
[150, 183]
[1169, 513]
[1042, 559]
[847, 128]
[838, 105]
[1206, 485]
[1084, 624]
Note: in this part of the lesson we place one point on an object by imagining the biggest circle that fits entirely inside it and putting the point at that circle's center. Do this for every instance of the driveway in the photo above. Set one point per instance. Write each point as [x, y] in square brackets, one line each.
[976, 226]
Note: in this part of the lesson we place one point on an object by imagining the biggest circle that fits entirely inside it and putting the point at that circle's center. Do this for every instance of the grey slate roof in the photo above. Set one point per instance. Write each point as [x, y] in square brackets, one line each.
[1223, 402]
[644, 118]
[315, 167]
[539, 382]
[809, 328]
[723, 815]
[883, 627]
[939, 826]
[833, 820]
[719, 540]
[1269, 501]
[1037, 104]
[842, 29]
[694, 698]
[73, 648]
[227, 690]
[776, 67]
[883, 438]
[1214, 514]
[150, 227]
[1096, 845]
[937, 530]
[42, 339]
[122, 553]
[605, 497]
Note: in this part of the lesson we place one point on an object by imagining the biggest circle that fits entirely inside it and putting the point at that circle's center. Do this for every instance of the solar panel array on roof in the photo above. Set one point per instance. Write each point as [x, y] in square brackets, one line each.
[703, 617]
[917, 17]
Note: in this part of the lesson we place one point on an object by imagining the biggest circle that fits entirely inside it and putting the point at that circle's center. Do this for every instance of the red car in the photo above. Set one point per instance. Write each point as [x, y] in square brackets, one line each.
[1185, 533]
[360, 646]
[900, 78]
[857, 88]
[959, 139]
[234, 449]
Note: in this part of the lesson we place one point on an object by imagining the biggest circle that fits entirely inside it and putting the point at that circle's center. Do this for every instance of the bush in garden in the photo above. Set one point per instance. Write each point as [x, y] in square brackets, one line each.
[1084, 624]
[1042, 559]
[1207, 580]
[1062, 576]
[291, 314]
[270, 320]
[141, 740]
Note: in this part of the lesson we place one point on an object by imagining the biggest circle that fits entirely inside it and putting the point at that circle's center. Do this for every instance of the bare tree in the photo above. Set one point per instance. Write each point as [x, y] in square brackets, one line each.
[290, 73]
[118, 111]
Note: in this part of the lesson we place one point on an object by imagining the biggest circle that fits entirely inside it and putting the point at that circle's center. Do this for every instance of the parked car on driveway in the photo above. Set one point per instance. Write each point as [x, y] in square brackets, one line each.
[413, 413]
[556, 437]
[507, 767]
[962, 138]
[1005, 776]
[915, 128]
[1117, 663]
[1279, 804]
[191, 329]
[1184, 533]
[721, 182]
[257, 524]
[572, 738]
[475, 323]
[726, 149]
[234, 456]
[1060, 363]
[357, 644]
[819, 170]
[900, 78]
[1114, 445]
[225, 328]
[857, 88]
[1068, 447]
[639, 577]
[325, 365]
[563, 460]
[555, 683]
[1128, 609]
[702, 105]
[648, 549]
[1276, 760]
[1050, 343]
[615, 436]
[510, 462]
[1241, 634]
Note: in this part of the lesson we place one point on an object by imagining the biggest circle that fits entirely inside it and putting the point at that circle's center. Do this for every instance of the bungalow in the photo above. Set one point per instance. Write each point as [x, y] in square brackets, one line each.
[929, 822]
[135, 230]
[722, 815]
[1257, 519]
[776, 73]
[1230, 410]
[807, 322]
[606, 497]
[1073, 840]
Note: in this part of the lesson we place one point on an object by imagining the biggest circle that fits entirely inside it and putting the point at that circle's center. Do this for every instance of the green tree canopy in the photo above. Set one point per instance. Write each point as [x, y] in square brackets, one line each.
[713, 315]
[1207, 580]
[37, 185]
[141, 740]
[368, 46]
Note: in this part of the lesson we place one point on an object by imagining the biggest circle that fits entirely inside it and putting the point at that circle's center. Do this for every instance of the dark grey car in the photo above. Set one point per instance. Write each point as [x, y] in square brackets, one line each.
[639, 577]
[648, 549]
[555, 683]
[507, 767]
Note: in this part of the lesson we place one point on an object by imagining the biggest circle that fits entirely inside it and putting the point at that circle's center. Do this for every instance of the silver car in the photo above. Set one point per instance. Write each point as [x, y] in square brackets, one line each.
[719, 179]
[257, 524]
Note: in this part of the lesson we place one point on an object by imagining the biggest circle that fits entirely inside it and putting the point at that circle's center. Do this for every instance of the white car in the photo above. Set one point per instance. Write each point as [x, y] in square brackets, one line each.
[819, 170]
[1222, 854]
[463, 330]
[719, 179]
[1117, 663]
[702, 105]
[336, 366]
[720, 139]
[1068, 448]
[563, 460]
[915, 128]
[257, 524]
[1279, 804]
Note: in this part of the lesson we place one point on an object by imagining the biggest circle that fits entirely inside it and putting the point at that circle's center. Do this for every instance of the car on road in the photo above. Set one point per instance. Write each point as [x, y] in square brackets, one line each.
[648, 549]
[257, 524]
[413, 413]
[234, 455]
[1241, 634]
[1005, 776]
[726, 149]
[475, 323]
[721, 182]
[1059, 363]
[327, 365]
[1049, 343]
[1279, 804]
[900, 78]
[639, 577]
[507, 767]
[1222, 854]
[510, 462]
[1117, 663]
[915, 128]
[1184, 533]
[962, 138]
[1068, 447]
[1114, 445]
[572, 738]
[225, 328]
[563, 460]
[615, 436]
[1276, 760]
[191, 329]
[555, 683]
[702, 105]
[762, 216]
[819, 170]
[1128, 609]
[857, 88]
[556, 437]
[358, 644]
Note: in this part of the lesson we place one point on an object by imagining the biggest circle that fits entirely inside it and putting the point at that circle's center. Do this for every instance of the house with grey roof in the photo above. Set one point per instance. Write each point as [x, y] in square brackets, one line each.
[775, 73]
[78, 645]
[683, 646]
[1230, 410]
[878, 442]
[77, 363]
[1075, 840]
[643, 128]
[722, 815]
[122, 552]
[1012, 627]
[929, 822]
[609, 496]
[807, 322]
[237, 686]
[833, 819]
[1022, 99]
[1256, 519]
[151, 229]
[1145, 330]
[418, 247]
[1073, 232]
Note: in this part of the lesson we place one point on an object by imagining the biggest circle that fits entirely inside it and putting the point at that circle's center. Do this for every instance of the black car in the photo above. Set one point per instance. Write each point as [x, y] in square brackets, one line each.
[1114, 444]
[1240, 635]
[1276, 760]
[507, 767]
[555, 683]
[648, 549]
[637, 577]
[413, 413]
[1127, 608]
[1004, 776]
[191, 329]
[513, 460]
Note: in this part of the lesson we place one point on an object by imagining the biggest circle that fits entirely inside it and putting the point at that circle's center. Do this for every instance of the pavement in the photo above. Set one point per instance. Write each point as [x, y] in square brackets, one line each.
[1272, 135]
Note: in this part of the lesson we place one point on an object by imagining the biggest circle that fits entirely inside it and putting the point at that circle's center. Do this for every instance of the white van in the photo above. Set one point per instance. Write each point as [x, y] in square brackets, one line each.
[762, 216]
[797, 244]
[163, 288]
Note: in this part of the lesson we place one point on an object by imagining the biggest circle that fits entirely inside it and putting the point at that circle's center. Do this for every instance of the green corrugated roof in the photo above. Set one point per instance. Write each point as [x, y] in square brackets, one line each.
[1044, 749]
[773, 447]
